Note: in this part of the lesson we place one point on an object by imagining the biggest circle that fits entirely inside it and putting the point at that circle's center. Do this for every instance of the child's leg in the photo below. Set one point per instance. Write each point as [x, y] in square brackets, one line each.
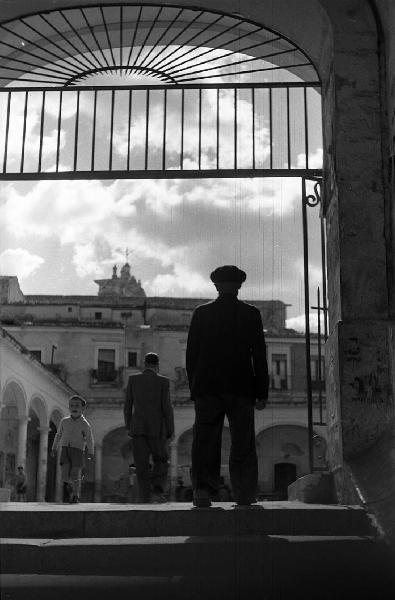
[66, 472]
[75, 480]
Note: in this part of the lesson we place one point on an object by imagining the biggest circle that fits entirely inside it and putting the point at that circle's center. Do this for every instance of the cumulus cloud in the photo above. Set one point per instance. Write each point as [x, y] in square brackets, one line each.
[19, 262]
[299, 322]
[176, 231]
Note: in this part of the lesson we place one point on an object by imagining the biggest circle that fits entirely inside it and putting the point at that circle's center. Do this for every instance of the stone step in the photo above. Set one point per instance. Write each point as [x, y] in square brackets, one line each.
[42, 520]
[271, 565]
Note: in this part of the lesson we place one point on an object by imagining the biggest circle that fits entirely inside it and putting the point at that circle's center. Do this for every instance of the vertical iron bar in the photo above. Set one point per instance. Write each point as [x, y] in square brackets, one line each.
[129, 128]
[306, 129]
[24, 133]
[164, 130]
[217, 129]
[59, 130]
[288, 132]
[92, 32]
[182, 129]
[134, 38]
[271, 126]
[40, 151]
[319, 354]
[147, 98]
[324, 292]
[111, 129]
[142, 45]
[253, 125]
[76, 131]
[200, 130]
[121, 36]
[7, 128]
[94, 131]
[307, 326]
[107, 35]
[235, 129]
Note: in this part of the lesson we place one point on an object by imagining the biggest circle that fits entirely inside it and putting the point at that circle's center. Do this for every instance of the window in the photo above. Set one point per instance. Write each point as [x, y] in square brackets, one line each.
[36, 354]
[106, 365]
[69, 309]
[132, 359]
[315, 374]
[98, 316]
[279, 372]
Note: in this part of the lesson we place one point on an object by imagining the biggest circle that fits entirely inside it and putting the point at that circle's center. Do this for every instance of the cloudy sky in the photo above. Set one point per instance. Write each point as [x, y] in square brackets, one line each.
[58, 236]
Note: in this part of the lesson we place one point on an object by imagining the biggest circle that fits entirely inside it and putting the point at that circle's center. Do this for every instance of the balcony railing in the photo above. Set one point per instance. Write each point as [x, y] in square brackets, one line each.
[106, 377]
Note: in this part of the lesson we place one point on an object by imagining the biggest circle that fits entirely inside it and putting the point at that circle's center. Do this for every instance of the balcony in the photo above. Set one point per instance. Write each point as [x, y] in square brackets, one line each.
[106, 377]
[280, 384]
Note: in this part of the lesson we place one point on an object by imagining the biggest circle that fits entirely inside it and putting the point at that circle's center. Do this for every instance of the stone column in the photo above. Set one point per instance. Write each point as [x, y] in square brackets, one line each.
[173, 467]
[42, 463]
[360, 405]
[22, 440]
[98, 472]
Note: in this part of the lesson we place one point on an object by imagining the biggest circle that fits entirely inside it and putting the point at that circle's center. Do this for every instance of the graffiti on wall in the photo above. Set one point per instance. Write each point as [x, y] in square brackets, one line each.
[367, 405]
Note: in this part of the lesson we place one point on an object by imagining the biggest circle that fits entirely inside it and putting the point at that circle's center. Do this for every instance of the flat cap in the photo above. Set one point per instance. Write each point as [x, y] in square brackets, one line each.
[151, 358]
[228, 273]
[82, 400]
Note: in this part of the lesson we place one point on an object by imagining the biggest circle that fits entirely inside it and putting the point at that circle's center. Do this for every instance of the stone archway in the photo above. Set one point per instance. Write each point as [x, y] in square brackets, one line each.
[117, 456]
[32, 453]
[184, 447]
[13, 422]
[341, 37]
[283, 456]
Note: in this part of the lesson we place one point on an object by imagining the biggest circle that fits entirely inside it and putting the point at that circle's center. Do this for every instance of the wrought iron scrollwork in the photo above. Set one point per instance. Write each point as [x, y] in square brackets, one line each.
[314, 199]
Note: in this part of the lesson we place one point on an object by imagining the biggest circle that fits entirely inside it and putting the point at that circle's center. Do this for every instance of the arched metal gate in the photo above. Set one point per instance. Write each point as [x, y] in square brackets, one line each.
[53, 127]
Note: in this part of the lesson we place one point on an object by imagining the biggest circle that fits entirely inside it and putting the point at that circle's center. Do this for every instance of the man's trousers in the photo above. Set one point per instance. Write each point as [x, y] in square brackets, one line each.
[145, 446]
[210, 411]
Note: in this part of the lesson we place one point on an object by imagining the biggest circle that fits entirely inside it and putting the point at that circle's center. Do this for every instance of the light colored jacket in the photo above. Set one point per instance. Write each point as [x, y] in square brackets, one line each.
[76, 433]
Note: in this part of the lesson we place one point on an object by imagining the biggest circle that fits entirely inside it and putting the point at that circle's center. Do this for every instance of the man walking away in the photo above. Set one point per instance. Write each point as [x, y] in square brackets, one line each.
[228, 375]
[149, 420]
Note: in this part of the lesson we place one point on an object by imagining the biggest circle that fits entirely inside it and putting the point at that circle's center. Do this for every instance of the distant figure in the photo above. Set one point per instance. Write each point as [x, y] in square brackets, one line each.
[149, 420]
[74, 436]
[228, 375]
[132, 495]
[21, 484]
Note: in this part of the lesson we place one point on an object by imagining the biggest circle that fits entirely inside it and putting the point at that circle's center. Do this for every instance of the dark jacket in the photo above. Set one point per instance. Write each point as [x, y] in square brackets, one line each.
[226, 350]
[147, 408]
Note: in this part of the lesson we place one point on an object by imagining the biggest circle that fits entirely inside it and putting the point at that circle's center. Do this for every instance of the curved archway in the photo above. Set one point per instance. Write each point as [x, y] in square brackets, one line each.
[283, 456]
[12, 415]
[38, 405]
[15, 395]
[184, 453]
[117, 456]
[52, 465]
[173, 43]
[32, 453]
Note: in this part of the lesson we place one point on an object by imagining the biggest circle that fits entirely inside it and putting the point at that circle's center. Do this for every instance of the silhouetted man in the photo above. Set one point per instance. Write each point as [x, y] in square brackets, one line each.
[150, 422]
[228, 375]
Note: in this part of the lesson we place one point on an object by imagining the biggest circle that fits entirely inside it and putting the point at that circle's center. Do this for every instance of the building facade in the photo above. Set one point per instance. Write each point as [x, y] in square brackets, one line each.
[93, 344]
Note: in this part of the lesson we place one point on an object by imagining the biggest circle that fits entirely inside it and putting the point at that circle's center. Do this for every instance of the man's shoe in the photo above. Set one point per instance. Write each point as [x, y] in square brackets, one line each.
[201, 499]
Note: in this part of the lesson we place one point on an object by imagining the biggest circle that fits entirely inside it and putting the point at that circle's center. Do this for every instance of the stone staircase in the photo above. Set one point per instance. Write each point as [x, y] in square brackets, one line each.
[271, 551]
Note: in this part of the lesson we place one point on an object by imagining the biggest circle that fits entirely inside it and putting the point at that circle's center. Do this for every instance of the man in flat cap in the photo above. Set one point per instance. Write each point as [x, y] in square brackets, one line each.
[149, 420]
[228, 375]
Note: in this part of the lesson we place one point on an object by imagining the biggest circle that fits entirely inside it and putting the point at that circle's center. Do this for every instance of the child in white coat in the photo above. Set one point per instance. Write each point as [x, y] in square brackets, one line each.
[74, 435]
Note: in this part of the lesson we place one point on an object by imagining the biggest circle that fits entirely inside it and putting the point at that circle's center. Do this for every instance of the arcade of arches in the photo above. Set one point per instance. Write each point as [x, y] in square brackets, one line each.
[352, 44]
